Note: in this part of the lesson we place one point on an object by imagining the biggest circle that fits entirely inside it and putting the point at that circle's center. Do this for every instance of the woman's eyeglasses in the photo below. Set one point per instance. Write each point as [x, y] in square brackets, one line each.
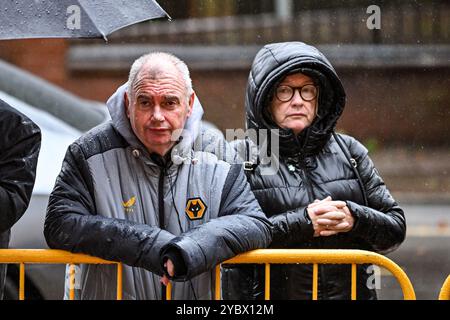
[285, 93]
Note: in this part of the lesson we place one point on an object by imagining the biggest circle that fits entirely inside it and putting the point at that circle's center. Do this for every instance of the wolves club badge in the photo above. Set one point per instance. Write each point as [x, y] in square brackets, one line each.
[195, 208]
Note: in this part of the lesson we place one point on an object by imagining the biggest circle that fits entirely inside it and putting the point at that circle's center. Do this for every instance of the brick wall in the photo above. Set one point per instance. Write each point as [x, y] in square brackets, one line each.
[409, 106]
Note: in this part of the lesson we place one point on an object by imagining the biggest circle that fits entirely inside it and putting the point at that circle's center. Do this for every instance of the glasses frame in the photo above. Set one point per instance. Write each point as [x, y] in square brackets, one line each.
[294, 89]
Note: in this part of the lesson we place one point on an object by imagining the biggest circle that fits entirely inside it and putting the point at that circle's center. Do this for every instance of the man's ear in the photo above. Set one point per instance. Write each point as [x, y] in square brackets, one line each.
[127, 104]
[191, 104]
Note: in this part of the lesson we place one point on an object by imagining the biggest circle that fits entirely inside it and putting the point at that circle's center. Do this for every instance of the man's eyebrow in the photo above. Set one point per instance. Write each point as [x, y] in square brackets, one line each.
[171, 97]
[143, 96]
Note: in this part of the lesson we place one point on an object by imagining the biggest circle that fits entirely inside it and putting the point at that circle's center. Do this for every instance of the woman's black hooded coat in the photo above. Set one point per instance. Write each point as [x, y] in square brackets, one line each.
[313, 165]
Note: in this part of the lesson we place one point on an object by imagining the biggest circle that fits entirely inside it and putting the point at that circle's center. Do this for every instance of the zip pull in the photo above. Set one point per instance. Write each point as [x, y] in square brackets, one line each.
[136, 153]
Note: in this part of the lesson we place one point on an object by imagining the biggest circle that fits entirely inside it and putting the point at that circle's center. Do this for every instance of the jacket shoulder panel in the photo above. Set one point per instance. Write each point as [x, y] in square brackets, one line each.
[100, 139]
[20, 140]
[11, 120]
[356, 148]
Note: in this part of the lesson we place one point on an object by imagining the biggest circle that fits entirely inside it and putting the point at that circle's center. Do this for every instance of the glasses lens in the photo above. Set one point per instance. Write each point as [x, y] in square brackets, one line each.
[284, 93]
[309, 92]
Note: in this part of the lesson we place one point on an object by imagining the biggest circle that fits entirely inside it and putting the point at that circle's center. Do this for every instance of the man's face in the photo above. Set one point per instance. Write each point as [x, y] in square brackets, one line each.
[158, 106]
[297, 113]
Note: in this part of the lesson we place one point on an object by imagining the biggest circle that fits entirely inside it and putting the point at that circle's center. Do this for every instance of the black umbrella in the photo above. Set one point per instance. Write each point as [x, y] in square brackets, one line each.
[21, 19]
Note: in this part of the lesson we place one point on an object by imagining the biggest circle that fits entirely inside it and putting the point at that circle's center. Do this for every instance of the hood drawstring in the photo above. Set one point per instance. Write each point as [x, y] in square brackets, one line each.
[171, 185]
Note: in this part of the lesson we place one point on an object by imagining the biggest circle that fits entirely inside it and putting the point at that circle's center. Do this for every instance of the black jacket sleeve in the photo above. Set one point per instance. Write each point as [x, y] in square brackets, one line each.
[291, 227]
[241, 226]
[72, 222]
[382, 223]
[20, 141]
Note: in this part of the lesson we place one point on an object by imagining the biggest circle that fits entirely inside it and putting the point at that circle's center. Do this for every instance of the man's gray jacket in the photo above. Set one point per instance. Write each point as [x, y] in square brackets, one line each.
[114, 200]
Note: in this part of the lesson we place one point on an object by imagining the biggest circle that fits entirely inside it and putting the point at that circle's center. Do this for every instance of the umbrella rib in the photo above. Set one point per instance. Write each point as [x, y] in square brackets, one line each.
[161, 8]
[93, 21]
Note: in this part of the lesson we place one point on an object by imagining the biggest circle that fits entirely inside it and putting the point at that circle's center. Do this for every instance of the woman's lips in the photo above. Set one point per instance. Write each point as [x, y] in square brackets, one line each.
[297, 115]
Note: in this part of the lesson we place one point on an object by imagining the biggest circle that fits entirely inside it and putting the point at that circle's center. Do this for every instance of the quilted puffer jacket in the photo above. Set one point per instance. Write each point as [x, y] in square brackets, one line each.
[20, 142]
[313, 165]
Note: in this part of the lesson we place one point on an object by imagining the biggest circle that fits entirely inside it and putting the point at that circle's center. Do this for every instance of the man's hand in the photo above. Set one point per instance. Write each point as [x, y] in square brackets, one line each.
[330, 217]
[170, 270]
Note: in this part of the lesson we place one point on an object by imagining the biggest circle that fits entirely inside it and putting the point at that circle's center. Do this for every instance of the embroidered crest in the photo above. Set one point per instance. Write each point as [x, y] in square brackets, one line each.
[129, 205]
[195, 208]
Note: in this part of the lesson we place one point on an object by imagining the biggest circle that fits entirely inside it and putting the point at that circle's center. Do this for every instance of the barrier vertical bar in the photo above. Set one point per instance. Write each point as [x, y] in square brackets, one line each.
[119, 281]
[169, 291]
[71, 281]
[353, 281]
[217, 287]
[315, 280]
[22, 282]
[267, 282]
[444, 294]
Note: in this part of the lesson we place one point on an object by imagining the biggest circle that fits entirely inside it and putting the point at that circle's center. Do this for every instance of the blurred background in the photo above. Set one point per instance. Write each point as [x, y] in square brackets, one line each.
[396, 78]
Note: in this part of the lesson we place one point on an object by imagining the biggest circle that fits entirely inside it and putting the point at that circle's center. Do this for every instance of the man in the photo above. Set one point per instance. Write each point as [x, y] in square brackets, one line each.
[133, 190]
[20, 141]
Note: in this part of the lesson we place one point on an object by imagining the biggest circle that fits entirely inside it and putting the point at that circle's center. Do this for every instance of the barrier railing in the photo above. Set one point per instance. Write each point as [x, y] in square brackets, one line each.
[445, 291]
[316, 257]
[261, 256]
[49, 256]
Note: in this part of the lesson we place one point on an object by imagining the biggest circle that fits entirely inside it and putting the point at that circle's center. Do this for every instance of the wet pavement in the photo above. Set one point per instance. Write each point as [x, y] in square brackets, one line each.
[425, 254]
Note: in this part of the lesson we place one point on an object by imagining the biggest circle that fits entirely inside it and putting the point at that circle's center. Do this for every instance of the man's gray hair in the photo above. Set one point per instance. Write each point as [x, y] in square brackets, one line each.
[159, 57]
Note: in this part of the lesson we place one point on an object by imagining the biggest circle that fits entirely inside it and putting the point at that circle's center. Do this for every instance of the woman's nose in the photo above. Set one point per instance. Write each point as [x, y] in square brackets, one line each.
[297, 98]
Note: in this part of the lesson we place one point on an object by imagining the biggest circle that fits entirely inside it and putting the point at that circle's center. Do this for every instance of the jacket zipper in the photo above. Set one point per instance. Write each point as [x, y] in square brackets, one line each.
[311, 199]
[161, 216]
[307, 184]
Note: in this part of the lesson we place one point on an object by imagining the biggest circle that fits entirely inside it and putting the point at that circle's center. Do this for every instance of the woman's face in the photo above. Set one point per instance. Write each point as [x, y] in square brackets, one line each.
[296, 113]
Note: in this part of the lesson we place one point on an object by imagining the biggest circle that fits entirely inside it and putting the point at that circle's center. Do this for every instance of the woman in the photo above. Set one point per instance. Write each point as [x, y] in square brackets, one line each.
[326, 194]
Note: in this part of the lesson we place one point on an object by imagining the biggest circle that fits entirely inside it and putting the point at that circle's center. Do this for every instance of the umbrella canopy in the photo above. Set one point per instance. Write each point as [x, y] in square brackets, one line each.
[72, 18]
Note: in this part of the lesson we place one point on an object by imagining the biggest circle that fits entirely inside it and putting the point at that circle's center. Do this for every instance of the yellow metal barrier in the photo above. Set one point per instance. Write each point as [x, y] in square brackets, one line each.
[445, 291]
[49, 256]
[316, 257]
[261, 256]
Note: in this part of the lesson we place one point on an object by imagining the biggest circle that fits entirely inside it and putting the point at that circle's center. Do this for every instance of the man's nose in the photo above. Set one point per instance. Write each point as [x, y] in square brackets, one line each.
[157, 114]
